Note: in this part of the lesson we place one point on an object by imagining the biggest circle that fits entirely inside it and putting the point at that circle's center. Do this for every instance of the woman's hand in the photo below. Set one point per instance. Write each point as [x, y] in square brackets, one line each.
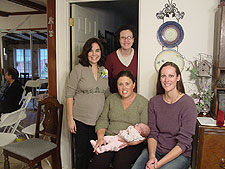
[99, 144]
[152, 163]
[72, 126]
[132, 143]
[69, 108]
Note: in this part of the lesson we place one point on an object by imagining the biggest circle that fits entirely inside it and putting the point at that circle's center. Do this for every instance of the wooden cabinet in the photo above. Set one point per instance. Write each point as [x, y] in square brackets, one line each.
[209, 148]
[218, 57]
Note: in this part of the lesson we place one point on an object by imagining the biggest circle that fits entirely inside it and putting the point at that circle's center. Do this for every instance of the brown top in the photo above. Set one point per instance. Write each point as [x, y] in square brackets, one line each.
[89, 94]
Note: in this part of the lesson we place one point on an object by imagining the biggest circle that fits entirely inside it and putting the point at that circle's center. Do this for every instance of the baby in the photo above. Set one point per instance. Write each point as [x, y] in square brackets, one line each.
[132, 133]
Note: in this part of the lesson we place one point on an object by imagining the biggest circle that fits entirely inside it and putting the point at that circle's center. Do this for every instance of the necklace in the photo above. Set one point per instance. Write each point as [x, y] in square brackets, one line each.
[172, 100]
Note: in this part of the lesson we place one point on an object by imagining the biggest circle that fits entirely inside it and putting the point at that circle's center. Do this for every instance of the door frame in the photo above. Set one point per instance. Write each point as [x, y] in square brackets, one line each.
[51, 47]
[63, 68]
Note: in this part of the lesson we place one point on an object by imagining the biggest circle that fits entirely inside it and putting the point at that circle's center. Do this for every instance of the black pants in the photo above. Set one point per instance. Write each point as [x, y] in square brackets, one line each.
[83, 148]
[121, 159]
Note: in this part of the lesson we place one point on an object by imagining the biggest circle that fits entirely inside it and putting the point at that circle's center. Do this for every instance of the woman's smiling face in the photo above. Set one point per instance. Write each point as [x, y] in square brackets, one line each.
[169, 78]
[125, 86]
[94, 54]
[126, 39]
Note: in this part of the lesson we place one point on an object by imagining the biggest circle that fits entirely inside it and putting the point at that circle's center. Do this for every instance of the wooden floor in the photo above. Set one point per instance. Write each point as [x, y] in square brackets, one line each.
[15, 164]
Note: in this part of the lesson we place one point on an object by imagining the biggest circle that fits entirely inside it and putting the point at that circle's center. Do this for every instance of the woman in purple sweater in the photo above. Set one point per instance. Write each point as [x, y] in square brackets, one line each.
[172, 119]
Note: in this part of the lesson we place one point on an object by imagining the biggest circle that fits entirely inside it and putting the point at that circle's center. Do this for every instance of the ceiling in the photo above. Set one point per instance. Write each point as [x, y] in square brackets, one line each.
[9, 8]
[22, 7]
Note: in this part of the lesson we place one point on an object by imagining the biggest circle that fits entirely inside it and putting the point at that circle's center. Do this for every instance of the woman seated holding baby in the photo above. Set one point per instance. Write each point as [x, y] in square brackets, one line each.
[133, 133]
[121, 110]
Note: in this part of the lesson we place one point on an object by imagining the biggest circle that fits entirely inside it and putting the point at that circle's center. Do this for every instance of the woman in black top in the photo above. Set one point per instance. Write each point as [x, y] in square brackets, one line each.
[12, 95]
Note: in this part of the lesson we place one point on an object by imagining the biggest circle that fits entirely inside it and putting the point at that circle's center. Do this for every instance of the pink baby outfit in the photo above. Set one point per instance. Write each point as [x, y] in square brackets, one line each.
[113, 143]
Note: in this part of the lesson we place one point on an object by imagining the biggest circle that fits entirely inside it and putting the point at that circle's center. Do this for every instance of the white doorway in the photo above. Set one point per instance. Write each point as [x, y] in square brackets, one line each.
[86, 26]
[100, 19]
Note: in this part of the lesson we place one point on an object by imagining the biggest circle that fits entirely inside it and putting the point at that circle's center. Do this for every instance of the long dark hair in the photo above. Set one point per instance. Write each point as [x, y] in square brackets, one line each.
[87, 47]
[180, 86]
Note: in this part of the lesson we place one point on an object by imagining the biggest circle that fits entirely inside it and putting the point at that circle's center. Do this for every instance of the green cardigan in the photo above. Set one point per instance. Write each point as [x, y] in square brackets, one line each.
[114, 118]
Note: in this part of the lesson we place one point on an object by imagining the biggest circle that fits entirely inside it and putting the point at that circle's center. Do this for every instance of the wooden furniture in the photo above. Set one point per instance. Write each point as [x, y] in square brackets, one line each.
[33, 150]
[218, 56]
[24, 77]
[209, 148]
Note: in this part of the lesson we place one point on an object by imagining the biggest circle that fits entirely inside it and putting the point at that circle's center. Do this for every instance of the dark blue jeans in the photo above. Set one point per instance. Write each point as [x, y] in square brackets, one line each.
[181, 162]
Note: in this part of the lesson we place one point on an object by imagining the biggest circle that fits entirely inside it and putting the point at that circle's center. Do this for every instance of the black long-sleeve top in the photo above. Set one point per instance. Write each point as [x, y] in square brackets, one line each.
[11, 98]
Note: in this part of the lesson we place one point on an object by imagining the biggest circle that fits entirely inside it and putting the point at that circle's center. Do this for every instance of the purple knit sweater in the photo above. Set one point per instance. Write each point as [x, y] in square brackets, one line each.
[172, 124]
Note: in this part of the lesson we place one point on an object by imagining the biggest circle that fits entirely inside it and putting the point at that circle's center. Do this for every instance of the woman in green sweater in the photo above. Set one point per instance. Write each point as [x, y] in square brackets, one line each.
[121, 110]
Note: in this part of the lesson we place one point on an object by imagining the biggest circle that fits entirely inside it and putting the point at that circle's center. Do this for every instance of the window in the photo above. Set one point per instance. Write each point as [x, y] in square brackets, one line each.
[43, 63]
[22, 60]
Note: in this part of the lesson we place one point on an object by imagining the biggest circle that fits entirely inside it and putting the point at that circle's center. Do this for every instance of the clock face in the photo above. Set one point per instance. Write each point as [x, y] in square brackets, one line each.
[169, 56]
[170, 34]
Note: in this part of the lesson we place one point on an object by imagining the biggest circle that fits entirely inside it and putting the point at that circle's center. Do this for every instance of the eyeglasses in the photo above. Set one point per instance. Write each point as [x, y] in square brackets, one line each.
[126, 38]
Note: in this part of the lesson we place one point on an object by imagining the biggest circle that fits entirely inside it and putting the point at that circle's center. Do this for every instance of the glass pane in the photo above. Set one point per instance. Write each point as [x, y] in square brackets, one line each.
[27, 61]
[43, 63]
[40, 54]
[17, 52]
[19, 58]
[15, 45]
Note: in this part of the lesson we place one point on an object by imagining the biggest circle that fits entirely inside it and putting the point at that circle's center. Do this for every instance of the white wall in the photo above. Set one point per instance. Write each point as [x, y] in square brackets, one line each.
[63, 69]
[198, 25]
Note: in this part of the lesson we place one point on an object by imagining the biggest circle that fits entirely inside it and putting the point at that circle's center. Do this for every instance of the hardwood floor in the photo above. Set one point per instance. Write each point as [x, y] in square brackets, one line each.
[15, 164]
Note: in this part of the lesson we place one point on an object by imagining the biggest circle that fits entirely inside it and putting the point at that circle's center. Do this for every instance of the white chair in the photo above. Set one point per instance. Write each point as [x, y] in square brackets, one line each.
[26, 100]
[35, 86]
[43, 90]
[10, 121]
[6, 138]
[23, 96]
[29, 131]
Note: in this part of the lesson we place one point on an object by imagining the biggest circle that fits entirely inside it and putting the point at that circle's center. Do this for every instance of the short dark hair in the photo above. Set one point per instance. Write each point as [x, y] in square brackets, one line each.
[86, 48]
[125, 73]
[13, 72]
[180, 85]
[125, 27]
